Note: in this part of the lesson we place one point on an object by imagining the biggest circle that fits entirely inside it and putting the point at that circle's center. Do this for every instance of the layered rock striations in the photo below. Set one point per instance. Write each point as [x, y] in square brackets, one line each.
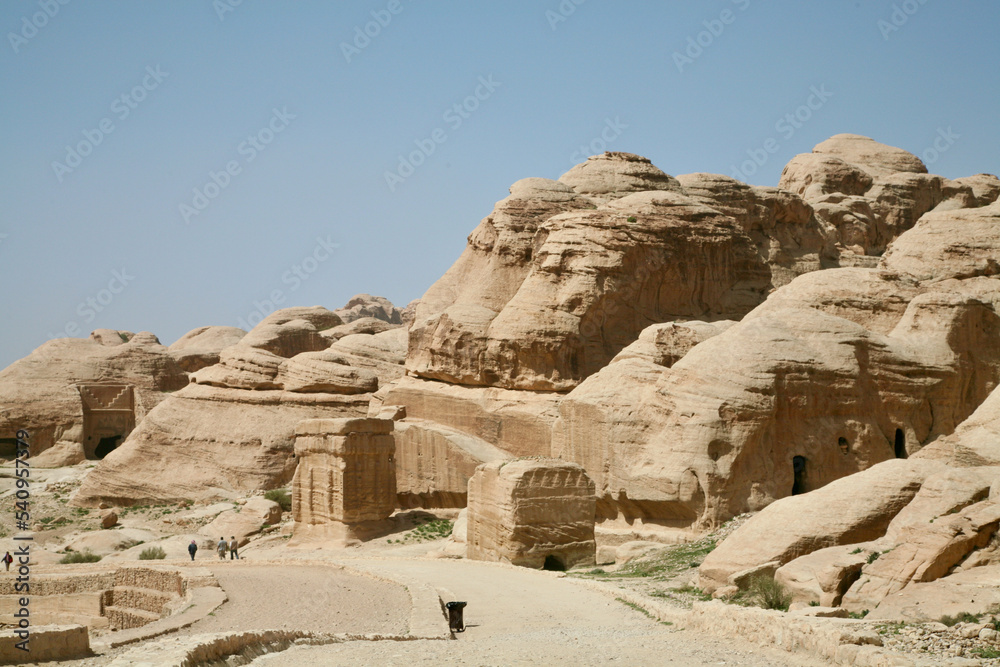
[835, 372]
[232, 429]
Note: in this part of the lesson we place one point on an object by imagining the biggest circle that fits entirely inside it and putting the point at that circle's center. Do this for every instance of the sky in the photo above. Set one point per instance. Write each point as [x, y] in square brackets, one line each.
[170, 165]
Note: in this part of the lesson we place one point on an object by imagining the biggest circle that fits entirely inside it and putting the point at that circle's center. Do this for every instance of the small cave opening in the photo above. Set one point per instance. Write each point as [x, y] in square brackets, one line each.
[554, 563]
[845, 447]
[900, 444]
[106, 446]
[799, 469]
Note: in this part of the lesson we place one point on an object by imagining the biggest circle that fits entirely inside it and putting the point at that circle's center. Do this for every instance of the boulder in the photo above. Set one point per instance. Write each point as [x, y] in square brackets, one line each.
[848, 511]
[364, 325]
[245, 521]
[366, 306]
[201, 347]
[109, 519]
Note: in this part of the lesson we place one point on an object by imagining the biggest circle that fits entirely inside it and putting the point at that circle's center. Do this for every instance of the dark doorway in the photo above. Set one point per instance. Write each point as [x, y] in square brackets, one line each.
[799, 468]
[553, 563]
[900, 444]
[845, 447]
[106, 446]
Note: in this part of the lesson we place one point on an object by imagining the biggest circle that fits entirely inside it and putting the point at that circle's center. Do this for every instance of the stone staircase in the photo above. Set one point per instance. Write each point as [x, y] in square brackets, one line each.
[140, 596]
[128, 607]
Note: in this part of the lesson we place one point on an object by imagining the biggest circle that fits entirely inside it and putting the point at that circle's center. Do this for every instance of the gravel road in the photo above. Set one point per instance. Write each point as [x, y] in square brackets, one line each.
[304, 597]
[523, 617]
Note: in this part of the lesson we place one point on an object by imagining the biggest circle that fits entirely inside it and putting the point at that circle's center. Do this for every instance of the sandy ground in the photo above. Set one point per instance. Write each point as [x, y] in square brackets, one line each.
[525, 617]
[312, 598]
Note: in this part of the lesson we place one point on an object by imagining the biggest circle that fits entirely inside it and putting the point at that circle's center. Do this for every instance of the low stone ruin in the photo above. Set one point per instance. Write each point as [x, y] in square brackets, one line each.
[344, 489]
[532, 512]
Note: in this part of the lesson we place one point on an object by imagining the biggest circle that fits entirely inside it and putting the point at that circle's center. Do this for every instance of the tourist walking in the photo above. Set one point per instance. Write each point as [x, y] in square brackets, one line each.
[222, 546]
[233, 546]
[193, 547]
[7, 560]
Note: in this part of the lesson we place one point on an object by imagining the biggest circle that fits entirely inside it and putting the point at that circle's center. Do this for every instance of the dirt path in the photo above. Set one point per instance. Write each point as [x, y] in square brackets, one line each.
[304, 597]
[524, 617]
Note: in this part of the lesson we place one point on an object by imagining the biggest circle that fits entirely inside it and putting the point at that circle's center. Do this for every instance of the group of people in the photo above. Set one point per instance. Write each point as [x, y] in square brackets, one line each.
[232, 547]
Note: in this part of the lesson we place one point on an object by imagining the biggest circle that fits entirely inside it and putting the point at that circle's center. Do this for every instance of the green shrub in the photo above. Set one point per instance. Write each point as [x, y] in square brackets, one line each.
[631, 218]
[128, 544]
[765, 592]
[85, 556]
[857, 551]
[282, 497]
[873, 556]
[964, 617]
[153, 553]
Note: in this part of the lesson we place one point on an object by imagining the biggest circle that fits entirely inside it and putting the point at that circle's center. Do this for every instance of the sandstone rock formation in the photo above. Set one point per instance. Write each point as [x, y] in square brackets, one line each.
[76, 396]
[532, 512]
[836, 371]
[367, 306]
[449, 430]
[201, 347]
[244, 521]
[344, 488]
[232, 429]
[558, 280]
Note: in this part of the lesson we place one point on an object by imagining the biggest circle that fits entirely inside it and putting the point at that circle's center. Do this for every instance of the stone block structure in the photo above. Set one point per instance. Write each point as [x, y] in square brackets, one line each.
[344, 488]
[535, 512]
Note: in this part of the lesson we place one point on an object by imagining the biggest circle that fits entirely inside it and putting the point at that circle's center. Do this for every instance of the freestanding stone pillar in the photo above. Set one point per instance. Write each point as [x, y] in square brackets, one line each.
[532, 512]
[344, 488]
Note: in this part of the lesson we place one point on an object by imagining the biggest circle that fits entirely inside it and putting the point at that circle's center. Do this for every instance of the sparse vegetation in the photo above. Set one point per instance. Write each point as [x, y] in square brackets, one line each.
[873, 556]
[85, 556]
[694, 591]
[128, 544]
[282, 497]
[857, 614]
[661, 564]
[857, 551]
[891, 628]
[763, 591]
[631, 218]
[434, 529]
[964, 617]
[153, 553]
[642, 611]
[987, 652]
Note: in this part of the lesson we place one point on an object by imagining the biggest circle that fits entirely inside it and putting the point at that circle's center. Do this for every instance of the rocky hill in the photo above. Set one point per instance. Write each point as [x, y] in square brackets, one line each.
[823, 353]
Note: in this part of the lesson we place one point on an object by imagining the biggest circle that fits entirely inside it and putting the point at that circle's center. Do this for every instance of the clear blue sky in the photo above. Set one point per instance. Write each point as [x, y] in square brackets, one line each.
[326, 126]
